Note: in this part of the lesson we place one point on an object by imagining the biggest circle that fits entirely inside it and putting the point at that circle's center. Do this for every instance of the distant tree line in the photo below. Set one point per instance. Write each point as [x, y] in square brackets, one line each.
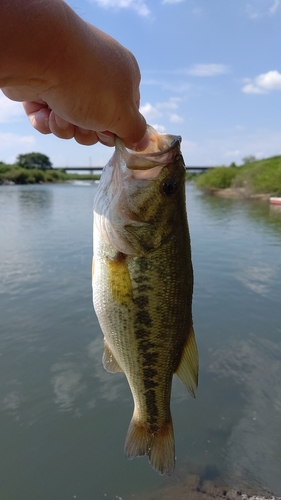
[34, 168]
[34, 160]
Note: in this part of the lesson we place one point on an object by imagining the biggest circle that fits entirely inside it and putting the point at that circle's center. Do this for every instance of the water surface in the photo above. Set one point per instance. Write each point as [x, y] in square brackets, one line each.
[63, 418]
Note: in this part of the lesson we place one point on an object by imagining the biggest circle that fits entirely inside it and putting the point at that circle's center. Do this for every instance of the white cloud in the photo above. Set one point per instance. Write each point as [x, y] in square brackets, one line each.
[10, 111]
[173, 103]
[162, 110]
[274, 6]
[252, 13]
[250, 88]
[9, 140]
[150, 112]
[269, 81]
[177, 87]
[138, 5]
[173, 1]
[160, 128]
[208, 70]
[263, 83]
[174, 118]
[260, 8]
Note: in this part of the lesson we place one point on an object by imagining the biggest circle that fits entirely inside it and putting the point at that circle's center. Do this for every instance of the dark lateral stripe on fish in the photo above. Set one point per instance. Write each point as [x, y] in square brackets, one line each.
[144, 344]
[144, 288]
[143, 318]
[141, 279]
[141, 301]
[151, 405]
[148, 358]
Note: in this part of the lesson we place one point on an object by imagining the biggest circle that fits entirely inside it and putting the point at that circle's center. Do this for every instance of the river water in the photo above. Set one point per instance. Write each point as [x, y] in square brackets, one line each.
[63, 418]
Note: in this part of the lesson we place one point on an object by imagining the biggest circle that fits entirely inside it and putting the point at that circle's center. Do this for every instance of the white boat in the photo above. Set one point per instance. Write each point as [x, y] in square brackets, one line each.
[275, 200]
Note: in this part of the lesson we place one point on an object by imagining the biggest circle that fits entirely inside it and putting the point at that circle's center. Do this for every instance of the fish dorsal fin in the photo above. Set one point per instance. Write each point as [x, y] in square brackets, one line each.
[188, 367]
[108, 360]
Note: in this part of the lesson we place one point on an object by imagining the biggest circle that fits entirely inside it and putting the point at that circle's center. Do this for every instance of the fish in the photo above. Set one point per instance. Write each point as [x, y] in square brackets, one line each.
[142, 287]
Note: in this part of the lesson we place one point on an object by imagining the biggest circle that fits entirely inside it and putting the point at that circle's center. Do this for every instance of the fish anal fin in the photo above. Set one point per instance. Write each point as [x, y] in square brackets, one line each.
[108, 360]
[188, 367]
[119, 280]
[159, 445]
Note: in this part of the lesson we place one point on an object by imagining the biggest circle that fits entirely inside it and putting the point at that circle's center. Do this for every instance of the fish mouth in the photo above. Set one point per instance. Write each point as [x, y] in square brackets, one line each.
[162, 150]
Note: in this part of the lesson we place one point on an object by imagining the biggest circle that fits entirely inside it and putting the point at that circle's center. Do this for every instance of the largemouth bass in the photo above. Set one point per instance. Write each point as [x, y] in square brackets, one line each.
[142, 287]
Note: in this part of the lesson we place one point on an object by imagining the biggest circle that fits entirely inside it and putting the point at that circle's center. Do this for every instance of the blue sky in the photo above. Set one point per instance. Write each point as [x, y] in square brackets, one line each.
[211, 72]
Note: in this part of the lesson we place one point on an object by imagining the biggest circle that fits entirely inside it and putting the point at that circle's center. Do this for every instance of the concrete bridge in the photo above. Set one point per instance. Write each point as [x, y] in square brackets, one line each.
[93, 170]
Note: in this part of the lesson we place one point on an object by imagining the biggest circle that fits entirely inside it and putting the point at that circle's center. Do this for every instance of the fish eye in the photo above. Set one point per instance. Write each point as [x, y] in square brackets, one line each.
[169, 186]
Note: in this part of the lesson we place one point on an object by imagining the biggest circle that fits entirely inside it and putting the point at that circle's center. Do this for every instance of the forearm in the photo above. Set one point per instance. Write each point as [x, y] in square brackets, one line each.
[32, 39]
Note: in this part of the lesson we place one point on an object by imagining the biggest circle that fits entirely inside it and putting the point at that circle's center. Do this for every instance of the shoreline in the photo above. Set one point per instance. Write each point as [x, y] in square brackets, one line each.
[237, 194]
[192, 488]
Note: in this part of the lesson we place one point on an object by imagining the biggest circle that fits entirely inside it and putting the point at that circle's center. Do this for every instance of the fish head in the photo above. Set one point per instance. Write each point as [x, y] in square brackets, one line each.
[141, 195]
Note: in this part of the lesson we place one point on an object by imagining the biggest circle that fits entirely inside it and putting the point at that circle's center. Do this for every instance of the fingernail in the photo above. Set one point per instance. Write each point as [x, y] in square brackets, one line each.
[60, 122]
[46, 123]
[143, 143]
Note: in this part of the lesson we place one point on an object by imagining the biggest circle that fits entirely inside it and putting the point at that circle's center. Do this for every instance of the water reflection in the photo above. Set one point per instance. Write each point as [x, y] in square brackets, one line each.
[253, 448]
[260, 212]
[34, 199]
[258, 279]
[79, 385]
[68, 384]
[275, 210]
[110, 386]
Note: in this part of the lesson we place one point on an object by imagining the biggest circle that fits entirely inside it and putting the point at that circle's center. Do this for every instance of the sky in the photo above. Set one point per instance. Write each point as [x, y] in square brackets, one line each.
[211, 72]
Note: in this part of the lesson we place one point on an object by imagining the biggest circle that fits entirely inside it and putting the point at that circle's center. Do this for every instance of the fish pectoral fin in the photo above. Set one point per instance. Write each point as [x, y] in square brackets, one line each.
[188, 367]
[159, 445]
[108, 360]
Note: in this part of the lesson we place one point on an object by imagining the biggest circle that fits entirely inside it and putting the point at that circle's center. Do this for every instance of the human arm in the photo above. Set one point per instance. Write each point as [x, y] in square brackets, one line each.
[74, 80]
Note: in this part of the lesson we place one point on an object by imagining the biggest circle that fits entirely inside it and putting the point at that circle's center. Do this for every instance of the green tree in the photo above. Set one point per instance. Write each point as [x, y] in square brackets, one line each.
[249, 159]
[34, 160]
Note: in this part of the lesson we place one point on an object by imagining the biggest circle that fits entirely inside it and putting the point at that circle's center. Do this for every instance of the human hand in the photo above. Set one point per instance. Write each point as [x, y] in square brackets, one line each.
[78, 82]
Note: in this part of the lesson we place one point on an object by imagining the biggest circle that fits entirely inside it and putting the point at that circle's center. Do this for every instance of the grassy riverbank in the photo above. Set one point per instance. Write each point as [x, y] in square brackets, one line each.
[262, 176]
[17, 175]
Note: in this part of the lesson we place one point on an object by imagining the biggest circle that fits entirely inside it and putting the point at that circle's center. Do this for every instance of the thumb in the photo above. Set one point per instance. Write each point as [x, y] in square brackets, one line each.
[131, 127]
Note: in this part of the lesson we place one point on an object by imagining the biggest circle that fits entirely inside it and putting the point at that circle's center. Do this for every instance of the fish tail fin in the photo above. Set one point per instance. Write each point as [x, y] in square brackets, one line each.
[159, 445]
[162, 449]
[137, 440]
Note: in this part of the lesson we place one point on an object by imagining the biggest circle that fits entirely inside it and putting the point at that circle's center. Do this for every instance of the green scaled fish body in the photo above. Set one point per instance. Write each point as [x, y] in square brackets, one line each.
[142, 287]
